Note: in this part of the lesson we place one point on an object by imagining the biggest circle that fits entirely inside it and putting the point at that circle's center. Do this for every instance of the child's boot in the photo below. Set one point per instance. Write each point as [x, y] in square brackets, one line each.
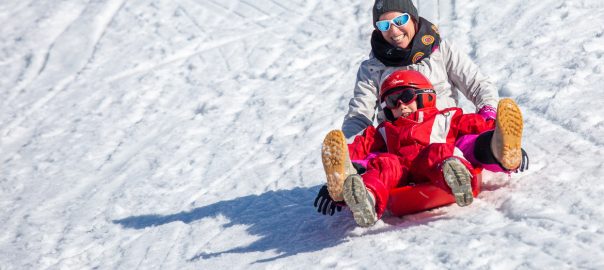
[506, 142]
[336, 162]
[360, 201]
[459, 179]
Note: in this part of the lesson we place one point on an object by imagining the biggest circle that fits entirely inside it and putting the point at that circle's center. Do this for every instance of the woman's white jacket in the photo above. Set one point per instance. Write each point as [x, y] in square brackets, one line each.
[450, 71]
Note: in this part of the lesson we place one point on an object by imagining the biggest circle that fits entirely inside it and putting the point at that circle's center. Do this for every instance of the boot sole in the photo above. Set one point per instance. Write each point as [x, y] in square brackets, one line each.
[357, 198]
[509, 132]
[459, 179]
[334, 154]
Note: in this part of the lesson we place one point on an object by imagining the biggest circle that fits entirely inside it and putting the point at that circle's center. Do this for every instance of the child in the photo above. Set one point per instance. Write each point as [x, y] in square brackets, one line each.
[417, 145]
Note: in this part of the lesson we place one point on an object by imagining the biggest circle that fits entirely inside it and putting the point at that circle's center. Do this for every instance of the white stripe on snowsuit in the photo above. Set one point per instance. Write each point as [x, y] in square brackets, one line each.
[441, 127]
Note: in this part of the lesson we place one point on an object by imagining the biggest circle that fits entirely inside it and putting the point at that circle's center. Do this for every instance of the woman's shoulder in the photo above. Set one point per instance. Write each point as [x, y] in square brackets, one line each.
[447, 46]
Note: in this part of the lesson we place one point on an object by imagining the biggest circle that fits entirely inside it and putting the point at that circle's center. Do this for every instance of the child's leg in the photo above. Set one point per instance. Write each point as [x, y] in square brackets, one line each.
[336, 162]
[459, 179]
[506, 142]
[476, 149]
[384, 173]
[497, 150]
[360, 200]
[365, 162]
[438, 166]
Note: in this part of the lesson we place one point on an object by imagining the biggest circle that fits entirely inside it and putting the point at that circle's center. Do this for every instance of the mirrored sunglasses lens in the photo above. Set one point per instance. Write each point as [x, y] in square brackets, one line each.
[383, 25]
[401, 20]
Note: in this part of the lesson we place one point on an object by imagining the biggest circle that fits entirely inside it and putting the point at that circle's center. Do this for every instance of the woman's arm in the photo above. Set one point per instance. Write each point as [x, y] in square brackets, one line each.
[362, 106]
[465, 75]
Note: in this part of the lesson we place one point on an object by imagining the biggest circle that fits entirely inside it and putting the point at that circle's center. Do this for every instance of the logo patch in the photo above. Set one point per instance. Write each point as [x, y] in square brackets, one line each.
[427, 40]
[379, 5]
[418, 56]
[395, 82]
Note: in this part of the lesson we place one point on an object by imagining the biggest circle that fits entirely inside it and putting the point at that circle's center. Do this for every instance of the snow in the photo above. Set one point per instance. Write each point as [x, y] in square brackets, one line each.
[186, 135]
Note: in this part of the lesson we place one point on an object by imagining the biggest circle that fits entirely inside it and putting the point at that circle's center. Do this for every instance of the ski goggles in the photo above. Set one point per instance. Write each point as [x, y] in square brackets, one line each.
[404, 95]
[398, 21]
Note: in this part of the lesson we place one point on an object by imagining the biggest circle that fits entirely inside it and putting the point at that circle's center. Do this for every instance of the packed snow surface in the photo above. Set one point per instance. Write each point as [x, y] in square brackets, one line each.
[186, 135]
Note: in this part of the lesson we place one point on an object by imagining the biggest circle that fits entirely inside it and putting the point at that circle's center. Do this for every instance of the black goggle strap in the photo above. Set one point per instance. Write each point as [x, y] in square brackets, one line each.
[425, 91]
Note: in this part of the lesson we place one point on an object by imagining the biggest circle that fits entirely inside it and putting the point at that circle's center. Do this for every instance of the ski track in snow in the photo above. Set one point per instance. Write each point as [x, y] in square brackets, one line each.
[186, 135]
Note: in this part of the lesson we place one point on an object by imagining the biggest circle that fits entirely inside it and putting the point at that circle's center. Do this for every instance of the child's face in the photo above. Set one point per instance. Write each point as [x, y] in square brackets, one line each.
[404, 110]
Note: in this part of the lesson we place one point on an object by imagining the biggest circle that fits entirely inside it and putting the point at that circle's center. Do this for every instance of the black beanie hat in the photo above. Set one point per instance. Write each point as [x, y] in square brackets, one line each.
[382, 6]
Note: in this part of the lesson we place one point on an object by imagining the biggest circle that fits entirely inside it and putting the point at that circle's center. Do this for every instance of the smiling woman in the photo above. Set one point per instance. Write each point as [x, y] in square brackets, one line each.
[404, 40]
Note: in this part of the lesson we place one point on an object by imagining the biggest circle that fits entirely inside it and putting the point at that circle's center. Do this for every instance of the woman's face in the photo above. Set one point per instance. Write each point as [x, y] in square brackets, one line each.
[398, 36]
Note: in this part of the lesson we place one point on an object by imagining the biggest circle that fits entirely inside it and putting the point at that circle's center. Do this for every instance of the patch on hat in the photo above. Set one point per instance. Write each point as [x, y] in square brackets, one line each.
[417, 57]
[379, 5]
[427, 39]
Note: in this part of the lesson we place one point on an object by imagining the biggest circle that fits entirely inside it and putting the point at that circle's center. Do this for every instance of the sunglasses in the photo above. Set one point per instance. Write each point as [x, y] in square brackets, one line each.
[404, 95]
[398, 21]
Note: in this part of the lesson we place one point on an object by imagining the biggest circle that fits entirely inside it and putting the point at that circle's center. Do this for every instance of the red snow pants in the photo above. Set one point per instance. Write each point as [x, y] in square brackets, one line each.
[417, 187]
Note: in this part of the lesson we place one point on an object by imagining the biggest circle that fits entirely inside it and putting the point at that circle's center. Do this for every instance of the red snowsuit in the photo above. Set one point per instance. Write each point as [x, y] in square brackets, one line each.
[411, 151]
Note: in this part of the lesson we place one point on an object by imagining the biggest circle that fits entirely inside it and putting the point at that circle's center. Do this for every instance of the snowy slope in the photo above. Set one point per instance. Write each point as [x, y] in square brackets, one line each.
[186, 135]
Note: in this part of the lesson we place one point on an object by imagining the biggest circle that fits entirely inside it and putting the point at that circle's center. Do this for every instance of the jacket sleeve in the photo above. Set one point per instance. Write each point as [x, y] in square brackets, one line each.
[473, 123]
[465, 75]
[362, 106]
[370, 141]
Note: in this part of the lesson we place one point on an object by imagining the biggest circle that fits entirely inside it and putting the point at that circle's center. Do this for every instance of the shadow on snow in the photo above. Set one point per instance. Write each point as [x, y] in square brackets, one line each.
[284, 221]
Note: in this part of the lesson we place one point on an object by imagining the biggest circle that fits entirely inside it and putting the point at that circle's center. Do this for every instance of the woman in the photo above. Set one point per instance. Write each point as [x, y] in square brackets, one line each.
[403, 40]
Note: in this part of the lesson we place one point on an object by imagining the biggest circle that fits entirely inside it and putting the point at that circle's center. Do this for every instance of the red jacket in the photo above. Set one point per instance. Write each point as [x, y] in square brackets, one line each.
[406, 137]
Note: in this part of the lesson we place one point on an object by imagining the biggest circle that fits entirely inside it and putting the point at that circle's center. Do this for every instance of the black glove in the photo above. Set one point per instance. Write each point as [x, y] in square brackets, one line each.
[325, 204]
